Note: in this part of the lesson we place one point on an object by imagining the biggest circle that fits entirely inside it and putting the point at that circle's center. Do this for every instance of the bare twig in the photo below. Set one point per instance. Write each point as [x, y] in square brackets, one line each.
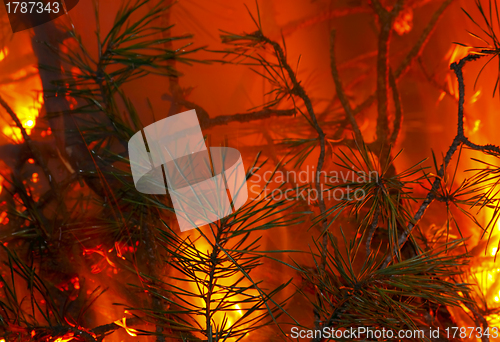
[207, 122]
[398, 109]
[412, 55]
[247, 117]
[340, 91]
[386, 20]
[422, 40]
[299, 91]
[324, 16]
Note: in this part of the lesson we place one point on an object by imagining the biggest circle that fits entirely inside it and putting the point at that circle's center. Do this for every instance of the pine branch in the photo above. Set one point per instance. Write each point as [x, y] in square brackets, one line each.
[460, 138]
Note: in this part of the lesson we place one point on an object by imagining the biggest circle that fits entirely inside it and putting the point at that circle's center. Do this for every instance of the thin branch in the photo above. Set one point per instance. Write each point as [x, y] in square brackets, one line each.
[386, 20]
[324, 16]
[340, 91]
[207, 122]
[250, 116]
[398, 109]
[373, 227]
[422, 40]
[412, 55]
[299, 91]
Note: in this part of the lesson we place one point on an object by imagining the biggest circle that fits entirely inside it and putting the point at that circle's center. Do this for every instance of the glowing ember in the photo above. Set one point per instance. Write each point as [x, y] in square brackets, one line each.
[26, 98]
[233, 312]
[477, 124]
[475, 97]
[123, 323]
[97, 268]
[404, 22]
[68, 338]
[3, 54]
[28, 124]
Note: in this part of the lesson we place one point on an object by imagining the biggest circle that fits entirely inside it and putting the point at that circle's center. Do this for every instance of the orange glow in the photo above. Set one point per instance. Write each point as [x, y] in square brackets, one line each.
[123, 323]
[232, 313]
[68, 337]
[3, 216]
[456, 53]
[34, 178]
[3, 53]
[404, 22]
[97, 268]
[477, 124]
[441, 96]
[27, 99]
[475, 97]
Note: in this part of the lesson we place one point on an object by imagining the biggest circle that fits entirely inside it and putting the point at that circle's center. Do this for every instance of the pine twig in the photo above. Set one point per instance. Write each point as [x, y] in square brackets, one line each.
[299, 91]
[460, 138]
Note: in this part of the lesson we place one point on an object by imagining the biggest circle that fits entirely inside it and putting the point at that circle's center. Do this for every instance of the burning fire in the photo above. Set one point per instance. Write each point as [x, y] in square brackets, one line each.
[123, 323]
[3, 53]
[227, 317]
[25, 98]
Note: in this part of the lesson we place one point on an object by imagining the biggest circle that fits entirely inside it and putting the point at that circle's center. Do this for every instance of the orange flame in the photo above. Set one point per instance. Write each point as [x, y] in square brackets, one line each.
[68, 337]
[3, 53]
[123, 323]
